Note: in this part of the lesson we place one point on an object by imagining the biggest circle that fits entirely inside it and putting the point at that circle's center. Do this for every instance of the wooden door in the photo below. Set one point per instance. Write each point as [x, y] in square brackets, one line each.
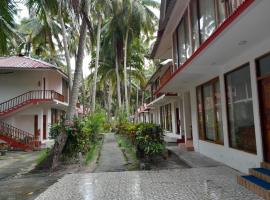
[36, 127]
[265, 116]
[44, 127]
[177, 120]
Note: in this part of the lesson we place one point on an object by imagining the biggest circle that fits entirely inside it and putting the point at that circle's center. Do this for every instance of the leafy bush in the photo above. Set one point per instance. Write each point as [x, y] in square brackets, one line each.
[150, 140]
[82, 135]
[55, 130]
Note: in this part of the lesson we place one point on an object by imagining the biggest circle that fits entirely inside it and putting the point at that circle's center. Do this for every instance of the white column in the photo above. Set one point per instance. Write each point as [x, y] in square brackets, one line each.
[187, 115]
[173, 118]
[224, 111]
[49, 122]
[256, 110]
[40, 123]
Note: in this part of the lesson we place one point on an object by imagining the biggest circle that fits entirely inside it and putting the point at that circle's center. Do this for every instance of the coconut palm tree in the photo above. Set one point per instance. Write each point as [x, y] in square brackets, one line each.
[8, 33]
[100, 9]
[137, 18]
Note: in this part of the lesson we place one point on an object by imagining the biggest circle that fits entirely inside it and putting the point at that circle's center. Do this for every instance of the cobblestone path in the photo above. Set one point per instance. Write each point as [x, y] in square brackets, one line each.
[111, 157]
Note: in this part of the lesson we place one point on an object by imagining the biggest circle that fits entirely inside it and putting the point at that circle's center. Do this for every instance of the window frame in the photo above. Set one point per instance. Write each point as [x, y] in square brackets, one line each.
[247, 64]
[202, 136]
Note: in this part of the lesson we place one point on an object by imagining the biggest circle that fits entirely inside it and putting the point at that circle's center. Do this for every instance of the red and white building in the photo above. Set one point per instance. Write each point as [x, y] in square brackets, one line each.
[218, 84]
[33, 95]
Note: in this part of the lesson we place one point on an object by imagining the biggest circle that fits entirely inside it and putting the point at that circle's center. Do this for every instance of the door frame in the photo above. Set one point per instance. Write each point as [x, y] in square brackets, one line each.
[36, 131]
[261, 107]
[44, 134]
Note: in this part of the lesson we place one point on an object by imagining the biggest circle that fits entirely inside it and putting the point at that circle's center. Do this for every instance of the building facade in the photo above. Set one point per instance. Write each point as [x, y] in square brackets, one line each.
[34, 94]
[220, 53]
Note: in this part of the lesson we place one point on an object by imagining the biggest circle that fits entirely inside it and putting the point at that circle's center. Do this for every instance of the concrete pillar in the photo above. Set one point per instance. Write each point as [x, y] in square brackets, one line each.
[187, 115]
[256, 109]
[49, 122]
[40, 123]
[173, 118]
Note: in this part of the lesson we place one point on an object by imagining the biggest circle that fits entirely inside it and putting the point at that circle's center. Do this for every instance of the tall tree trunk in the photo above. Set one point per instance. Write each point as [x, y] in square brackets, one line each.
[71, 112]
[66, 50]
[118, 82]
[142, 97]
[96, 65]
[110, 93]
[137, 98]
[125, 73]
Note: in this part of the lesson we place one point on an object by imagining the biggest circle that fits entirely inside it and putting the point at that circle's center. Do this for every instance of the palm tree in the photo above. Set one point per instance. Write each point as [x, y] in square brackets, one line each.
[137, 18]
[100, 9]
[7, 26]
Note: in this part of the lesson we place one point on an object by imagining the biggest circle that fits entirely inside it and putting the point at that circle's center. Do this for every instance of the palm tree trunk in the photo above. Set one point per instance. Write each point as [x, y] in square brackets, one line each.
[110, 93]
[71, 112]
[96, 65]
[67, 55]
[125, 73]
[118, 82]
[137, 97]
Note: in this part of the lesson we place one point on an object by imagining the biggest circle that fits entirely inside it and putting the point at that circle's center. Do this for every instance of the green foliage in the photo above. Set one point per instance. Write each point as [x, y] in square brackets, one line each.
[150, 139]
[55, 130]
[82, 135]
[42, 155]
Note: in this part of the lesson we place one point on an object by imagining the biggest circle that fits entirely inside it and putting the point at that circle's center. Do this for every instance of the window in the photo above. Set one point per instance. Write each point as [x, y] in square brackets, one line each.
[264, 66]
[221, 10]
[175, 51]
[233, 5]
[168, 111]
[240, 110]
[207, 18]
[184, 49]
[209, 112]
[195, 35]
[166, 117]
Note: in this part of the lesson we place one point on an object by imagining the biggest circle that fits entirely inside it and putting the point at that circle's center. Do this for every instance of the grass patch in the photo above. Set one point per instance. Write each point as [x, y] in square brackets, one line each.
[42, 155]
[95, 148]
[128, 150]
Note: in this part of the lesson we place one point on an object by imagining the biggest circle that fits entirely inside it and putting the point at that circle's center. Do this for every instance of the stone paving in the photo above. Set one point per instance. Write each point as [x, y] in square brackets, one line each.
[211, 183]
[111, 157]
[193, 159]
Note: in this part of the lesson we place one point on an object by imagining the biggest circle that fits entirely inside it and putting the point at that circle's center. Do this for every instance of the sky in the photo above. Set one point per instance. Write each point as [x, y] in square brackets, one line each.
[23, 13]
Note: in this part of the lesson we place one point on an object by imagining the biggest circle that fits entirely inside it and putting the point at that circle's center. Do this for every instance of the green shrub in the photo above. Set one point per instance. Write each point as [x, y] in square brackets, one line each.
[150, 139]
[55, 130]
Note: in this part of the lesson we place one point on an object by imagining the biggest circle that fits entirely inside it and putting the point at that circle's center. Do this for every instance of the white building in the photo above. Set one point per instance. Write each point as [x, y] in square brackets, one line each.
[33, 95]
[221, 75]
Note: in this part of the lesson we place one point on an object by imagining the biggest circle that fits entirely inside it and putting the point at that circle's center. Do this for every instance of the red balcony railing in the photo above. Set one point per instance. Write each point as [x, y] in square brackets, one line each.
[28, 97]
[20, 136]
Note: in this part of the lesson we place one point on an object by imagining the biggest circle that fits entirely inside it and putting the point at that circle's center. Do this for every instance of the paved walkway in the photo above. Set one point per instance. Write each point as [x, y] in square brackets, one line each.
[194, 159]
[212, 183]
[111, 157]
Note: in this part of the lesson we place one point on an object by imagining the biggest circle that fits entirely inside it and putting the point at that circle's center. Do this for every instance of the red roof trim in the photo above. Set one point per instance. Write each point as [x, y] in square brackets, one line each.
[207, 42]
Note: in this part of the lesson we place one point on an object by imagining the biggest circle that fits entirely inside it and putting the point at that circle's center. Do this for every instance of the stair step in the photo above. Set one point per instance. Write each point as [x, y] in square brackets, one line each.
[261, 173]
[258, 186]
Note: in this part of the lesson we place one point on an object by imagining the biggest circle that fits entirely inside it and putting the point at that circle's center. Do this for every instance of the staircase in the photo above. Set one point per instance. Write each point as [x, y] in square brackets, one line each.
[17, 138]
[27, 98]
[258, 181]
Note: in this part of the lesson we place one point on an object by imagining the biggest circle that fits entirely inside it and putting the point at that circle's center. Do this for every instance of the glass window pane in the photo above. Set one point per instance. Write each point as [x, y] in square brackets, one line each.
[194, 25]
[200, 113]
[207, 18]
[221, 4]
[240, 110]
[175, 51]
[233, 5]
[264, 66]
[218, 112]
[209, 113]
[181, 43]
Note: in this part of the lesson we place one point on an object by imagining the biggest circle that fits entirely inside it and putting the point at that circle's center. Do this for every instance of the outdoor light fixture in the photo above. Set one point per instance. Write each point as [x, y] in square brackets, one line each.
[243, 42]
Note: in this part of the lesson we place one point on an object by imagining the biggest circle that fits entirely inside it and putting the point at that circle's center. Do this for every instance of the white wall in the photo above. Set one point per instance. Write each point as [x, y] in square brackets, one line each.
[237, 159]
[19, 82]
